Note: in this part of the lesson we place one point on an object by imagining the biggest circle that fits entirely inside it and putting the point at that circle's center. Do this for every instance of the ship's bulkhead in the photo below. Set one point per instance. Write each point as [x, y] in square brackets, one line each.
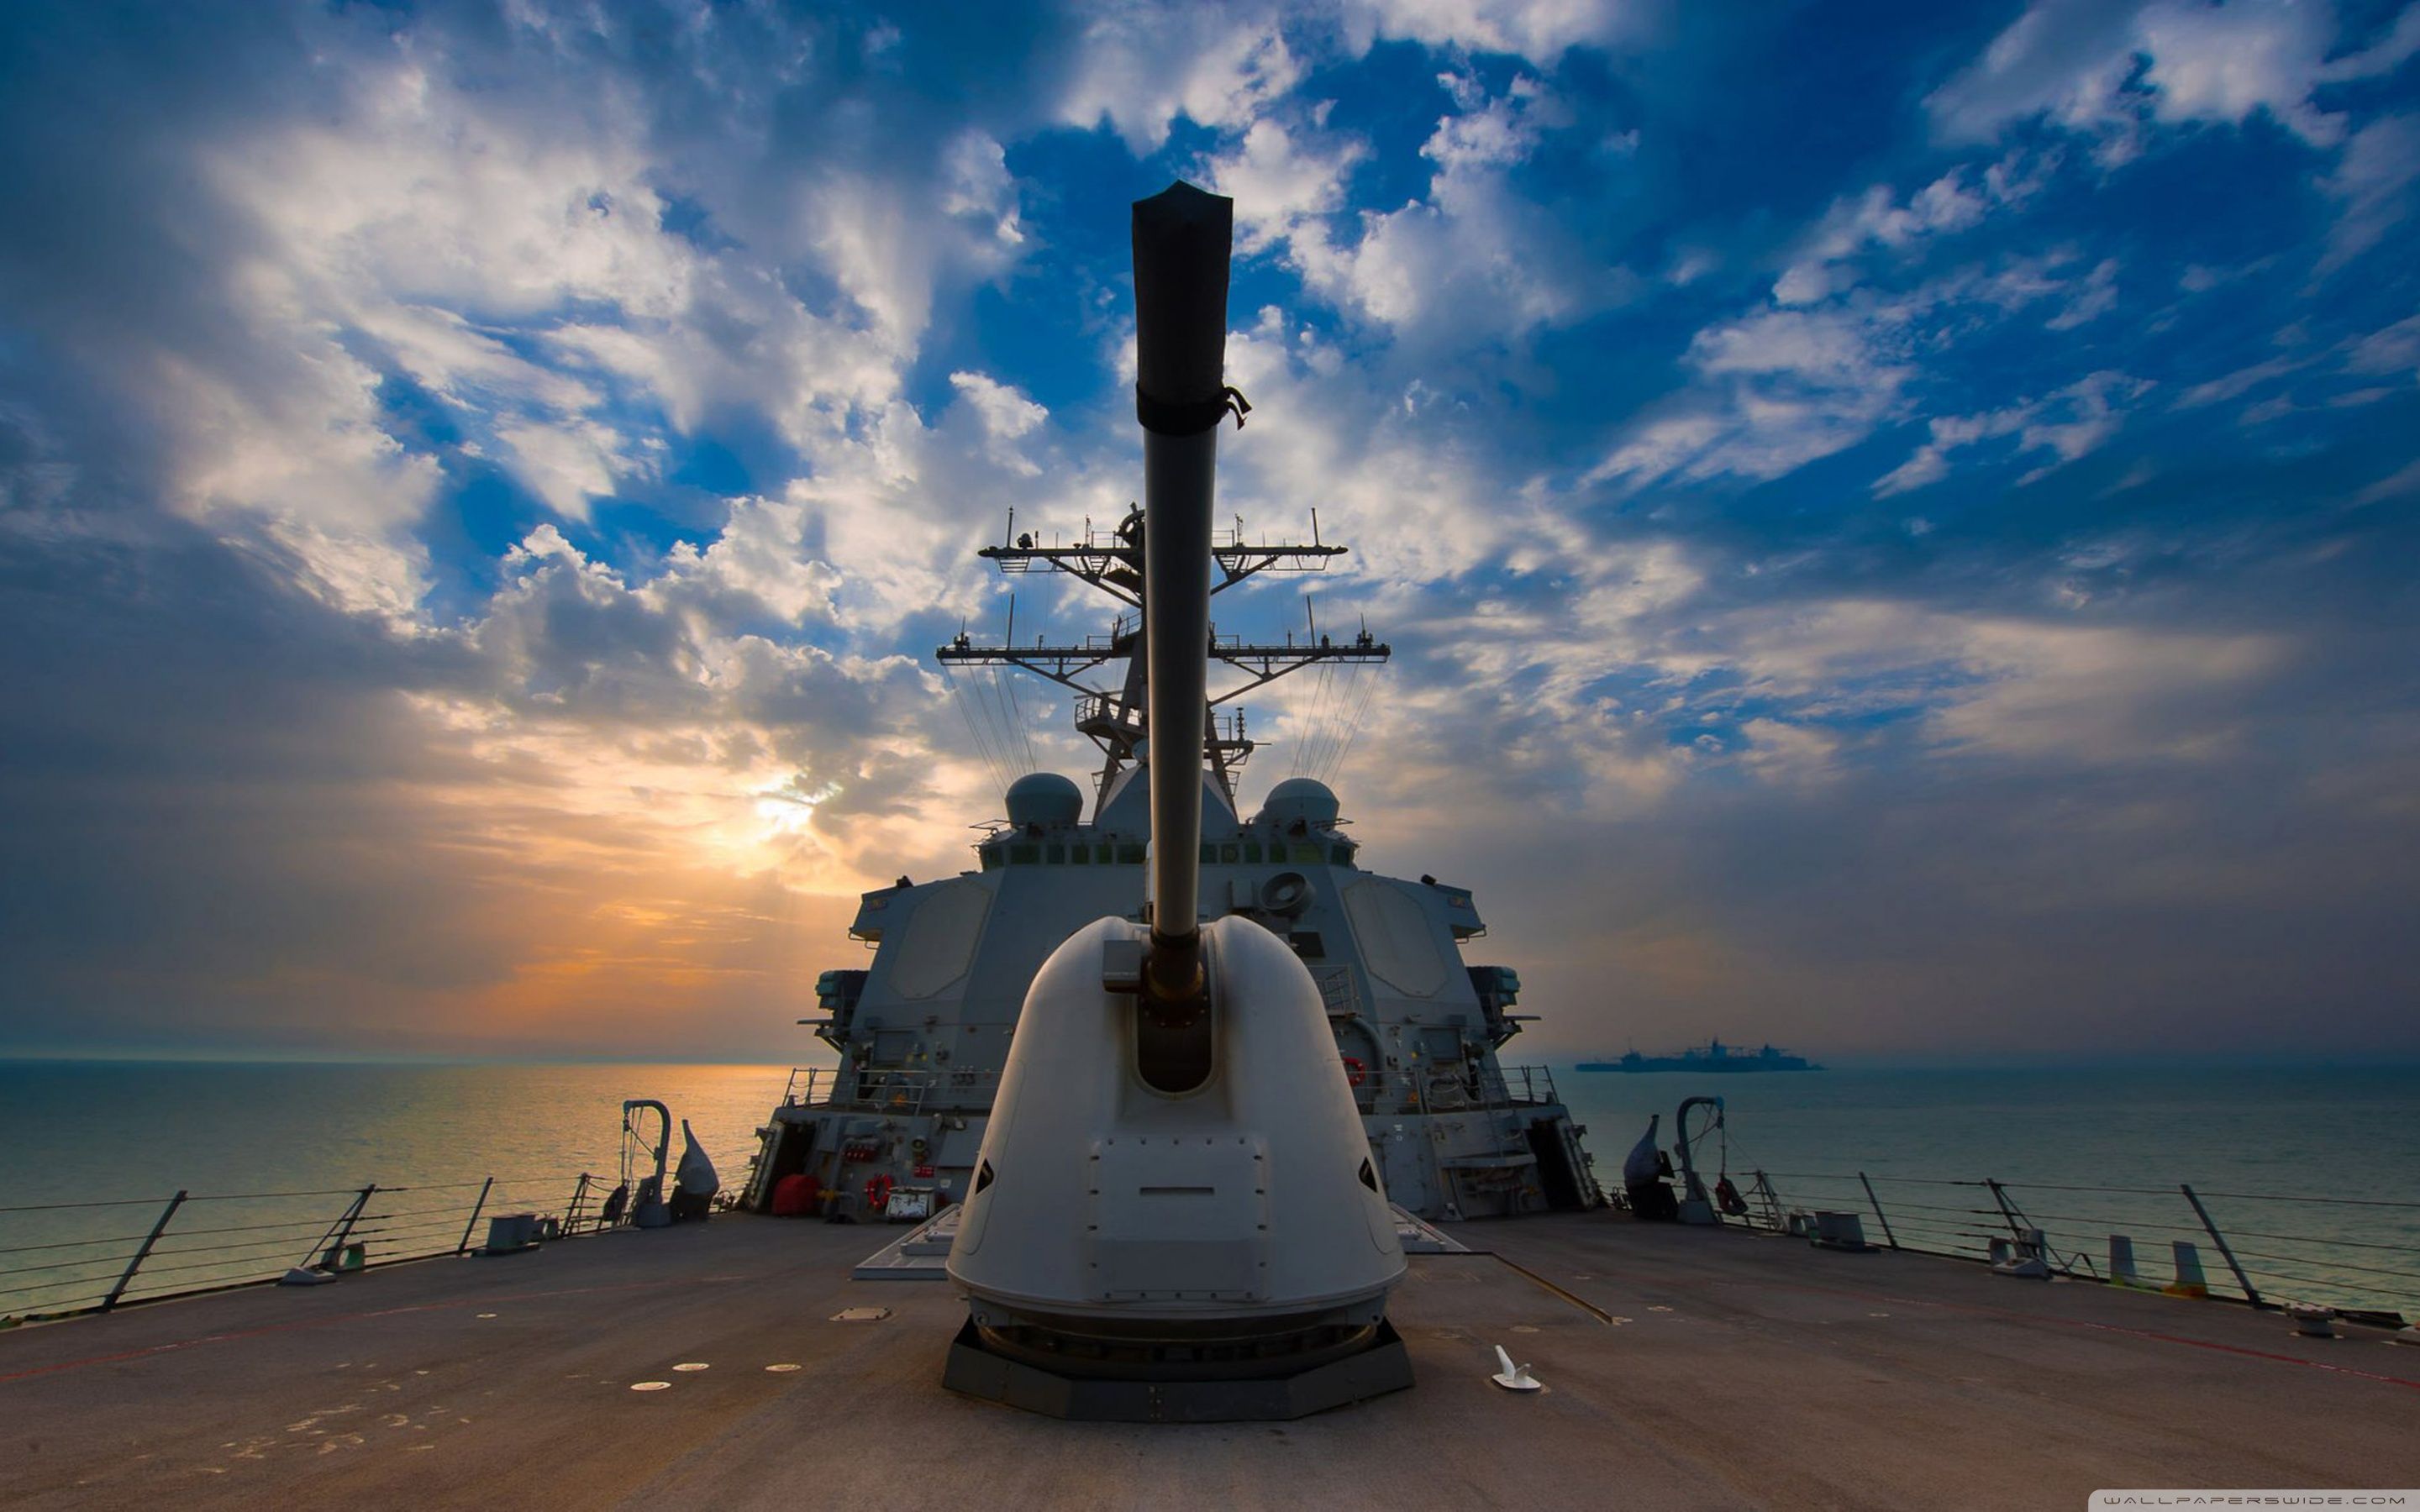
[922, 1033]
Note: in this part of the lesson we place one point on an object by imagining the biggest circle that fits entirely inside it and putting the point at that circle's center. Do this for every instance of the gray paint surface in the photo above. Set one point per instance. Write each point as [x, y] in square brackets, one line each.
[1743, 1372]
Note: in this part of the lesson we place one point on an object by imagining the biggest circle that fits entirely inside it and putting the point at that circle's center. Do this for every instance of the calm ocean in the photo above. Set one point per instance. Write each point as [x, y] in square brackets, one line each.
[2344, 1142]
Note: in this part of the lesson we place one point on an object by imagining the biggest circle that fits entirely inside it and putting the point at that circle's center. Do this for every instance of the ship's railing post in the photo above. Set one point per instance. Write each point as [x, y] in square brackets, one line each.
[1772, 1200]
[341, 1231]
[476, 1208]
[1879, 1217]
[143, 1252]
[2007, 1214]
[2251, 1293]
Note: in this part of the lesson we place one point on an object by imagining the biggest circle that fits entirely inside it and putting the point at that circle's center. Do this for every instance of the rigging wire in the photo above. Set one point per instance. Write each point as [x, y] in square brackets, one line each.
[995, 702]
[1322, 687]
[1347, 685]
[982, 744]
[1022, 729]
[1352, 705]
[987, 691]
[1353, 724]
[967, 711]
[1322, 704]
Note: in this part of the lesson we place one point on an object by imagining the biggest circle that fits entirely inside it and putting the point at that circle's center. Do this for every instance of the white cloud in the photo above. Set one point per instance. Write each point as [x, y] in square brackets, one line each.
[2394, 348]
[2066, 59]
[2091, 695]
[2238, 383]
[2069, 423]
[1282, 183]
[1785, 384]
[2402, 482]
[1144, 65]
[2095, 297]
[2228, 62]
[1475, 261]
[977, 183]
[2374, 180]
[1539, 30]
[762, 552]
[1780, 388]
[1876, 218]
[1006, 411]
[2107, 70]
[567, 463]
[1659, 448]
[1780, 752]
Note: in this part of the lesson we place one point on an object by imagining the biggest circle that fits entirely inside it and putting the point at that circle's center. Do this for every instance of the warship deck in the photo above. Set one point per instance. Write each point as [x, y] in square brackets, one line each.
[1683, 1368]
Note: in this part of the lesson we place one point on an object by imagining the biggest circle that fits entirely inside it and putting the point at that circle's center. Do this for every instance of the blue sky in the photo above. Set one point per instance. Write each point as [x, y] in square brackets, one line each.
[1896, 521]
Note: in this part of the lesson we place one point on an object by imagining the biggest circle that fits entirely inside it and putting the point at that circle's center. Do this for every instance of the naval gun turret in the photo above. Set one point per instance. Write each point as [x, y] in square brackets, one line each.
[1174, 1214]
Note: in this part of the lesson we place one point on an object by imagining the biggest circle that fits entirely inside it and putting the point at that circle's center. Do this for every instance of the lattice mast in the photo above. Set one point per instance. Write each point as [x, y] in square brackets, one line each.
[1114, 718]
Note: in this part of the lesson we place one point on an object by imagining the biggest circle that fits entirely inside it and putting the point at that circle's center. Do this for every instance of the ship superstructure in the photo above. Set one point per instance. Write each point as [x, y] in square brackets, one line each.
[923, 1030]
[1714, 1056]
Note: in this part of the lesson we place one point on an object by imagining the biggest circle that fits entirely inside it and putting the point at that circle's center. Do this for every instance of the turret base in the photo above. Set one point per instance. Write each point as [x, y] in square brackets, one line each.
[974, 1370]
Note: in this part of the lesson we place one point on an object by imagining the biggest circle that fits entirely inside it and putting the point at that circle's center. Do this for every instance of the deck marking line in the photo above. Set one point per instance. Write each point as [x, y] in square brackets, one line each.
[1581, 1302]
[2237, 1348]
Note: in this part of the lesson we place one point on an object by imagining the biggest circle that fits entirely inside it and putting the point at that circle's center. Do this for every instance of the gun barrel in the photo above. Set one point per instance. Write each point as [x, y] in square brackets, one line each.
[1182, 239]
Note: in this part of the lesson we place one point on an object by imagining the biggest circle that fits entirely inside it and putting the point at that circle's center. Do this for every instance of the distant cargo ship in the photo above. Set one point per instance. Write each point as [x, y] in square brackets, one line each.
[1713, 1056]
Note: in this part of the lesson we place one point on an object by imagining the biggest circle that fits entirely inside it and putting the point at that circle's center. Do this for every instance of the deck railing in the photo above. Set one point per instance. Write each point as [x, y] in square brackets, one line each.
[1454, 1089]
[906, 1089]
[57, 1259]
[2263, 1248]
[926, 1089]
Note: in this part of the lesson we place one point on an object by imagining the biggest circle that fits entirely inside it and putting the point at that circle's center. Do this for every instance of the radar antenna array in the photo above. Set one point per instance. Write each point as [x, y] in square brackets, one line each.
[1114, 718]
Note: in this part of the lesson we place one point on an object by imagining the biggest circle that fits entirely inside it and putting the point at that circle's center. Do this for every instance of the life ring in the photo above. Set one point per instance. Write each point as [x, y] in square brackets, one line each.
[877, 1193]
[1354, 1074]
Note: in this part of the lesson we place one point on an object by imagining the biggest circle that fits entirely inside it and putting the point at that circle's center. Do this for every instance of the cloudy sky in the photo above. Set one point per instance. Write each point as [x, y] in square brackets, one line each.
[1898, 522]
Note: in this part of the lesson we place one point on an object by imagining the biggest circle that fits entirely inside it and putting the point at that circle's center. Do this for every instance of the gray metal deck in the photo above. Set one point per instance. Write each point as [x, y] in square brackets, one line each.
[1684, 1368]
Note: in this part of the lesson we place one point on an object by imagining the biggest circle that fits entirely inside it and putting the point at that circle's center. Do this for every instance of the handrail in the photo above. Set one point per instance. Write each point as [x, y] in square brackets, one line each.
[2070, 1236]
[2141, 1191]
[71, 1275]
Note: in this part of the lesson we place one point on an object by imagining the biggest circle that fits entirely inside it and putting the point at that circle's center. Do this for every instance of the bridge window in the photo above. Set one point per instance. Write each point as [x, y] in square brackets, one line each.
[1252, 850]
[1230, 852]
[1080, 855]
[991, 857]
[1024, 855]
[1130, 855]
[1341, 855]
[1057, 856]
[1101, 854]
